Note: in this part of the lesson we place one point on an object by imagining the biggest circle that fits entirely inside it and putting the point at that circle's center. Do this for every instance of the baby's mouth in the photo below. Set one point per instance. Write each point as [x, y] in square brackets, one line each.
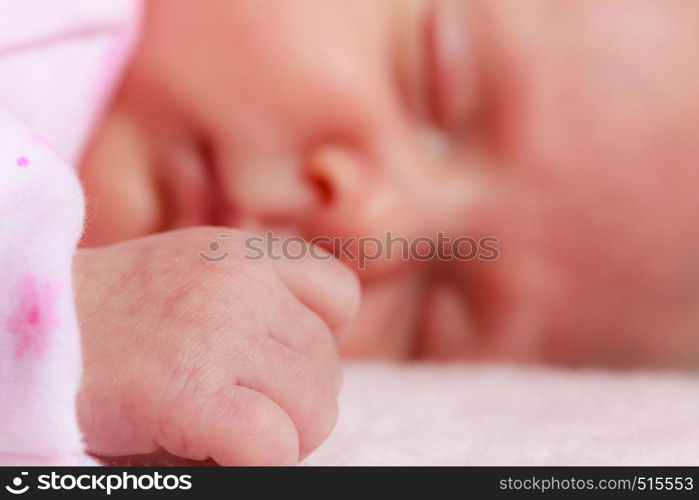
[414, 316]
[386, 323]
[447, 328]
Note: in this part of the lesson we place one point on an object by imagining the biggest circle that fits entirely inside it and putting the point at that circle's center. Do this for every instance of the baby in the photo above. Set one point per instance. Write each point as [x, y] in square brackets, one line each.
[568, 131]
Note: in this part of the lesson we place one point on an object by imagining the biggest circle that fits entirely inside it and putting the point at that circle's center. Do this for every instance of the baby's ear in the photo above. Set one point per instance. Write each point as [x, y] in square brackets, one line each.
[120, 186]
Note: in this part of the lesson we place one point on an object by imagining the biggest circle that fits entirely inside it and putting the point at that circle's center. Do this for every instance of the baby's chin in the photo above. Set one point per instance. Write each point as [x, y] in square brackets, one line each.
[405, 316]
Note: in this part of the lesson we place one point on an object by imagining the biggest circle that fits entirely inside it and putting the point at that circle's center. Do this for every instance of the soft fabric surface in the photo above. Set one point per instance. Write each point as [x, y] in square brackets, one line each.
[507, 415]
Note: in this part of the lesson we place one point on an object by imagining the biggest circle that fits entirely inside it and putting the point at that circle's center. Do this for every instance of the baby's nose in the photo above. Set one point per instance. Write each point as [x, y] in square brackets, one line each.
[365, 215]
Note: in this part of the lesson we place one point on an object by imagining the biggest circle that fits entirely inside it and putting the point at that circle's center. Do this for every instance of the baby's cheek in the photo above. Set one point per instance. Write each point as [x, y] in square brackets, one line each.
[599, 224]
[604, 271]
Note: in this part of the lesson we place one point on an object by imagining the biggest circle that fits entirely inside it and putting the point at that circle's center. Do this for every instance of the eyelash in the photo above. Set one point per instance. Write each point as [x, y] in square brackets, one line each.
[432, 71]
[448, 66]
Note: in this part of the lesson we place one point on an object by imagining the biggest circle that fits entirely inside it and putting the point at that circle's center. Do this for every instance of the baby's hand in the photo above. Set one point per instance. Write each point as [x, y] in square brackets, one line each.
[234, 360]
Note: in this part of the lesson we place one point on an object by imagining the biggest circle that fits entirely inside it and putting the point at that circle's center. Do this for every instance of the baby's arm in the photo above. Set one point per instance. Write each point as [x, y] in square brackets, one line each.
[234, 360]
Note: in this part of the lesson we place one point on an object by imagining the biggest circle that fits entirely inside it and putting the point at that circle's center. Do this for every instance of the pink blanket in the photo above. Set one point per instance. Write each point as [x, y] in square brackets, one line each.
[510, 415]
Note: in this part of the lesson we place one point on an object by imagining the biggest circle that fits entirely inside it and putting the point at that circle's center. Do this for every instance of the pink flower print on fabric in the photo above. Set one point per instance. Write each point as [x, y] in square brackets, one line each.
[34, 316]
[22, 161]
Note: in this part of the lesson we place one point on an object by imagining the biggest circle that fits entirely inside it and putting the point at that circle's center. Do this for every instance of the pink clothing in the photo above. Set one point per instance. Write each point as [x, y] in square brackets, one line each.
[58, 62]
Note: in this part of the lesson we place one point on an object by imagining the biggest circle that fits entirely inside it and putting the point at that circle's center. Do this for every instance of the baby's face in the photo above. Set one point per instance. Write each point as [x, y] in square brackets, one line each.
[566, 130]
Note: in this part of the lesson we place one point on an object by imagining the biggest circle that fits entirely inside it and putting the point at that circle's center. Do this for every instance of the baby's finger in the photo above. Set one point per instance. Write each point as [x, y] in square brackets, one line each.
[306, 393]
[322, 283]
[303, 331]
[236, 426]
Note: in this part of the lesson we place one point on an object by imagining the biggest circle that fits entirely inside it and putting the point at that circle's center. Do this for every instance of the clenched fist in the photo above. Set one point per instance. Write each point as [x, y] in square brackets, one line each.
[234, 360]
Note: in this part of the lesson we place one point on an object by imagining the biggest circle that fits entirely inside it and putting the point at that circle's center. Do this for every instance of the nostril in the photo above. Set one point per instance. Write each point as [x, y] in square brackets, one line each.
[334, 172]
[323, 189]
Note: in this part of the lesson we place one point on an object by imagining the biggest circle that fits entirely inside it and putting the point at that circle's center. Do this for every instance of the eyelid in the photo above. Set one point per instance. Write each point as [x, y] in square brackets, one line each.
[451, 59]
